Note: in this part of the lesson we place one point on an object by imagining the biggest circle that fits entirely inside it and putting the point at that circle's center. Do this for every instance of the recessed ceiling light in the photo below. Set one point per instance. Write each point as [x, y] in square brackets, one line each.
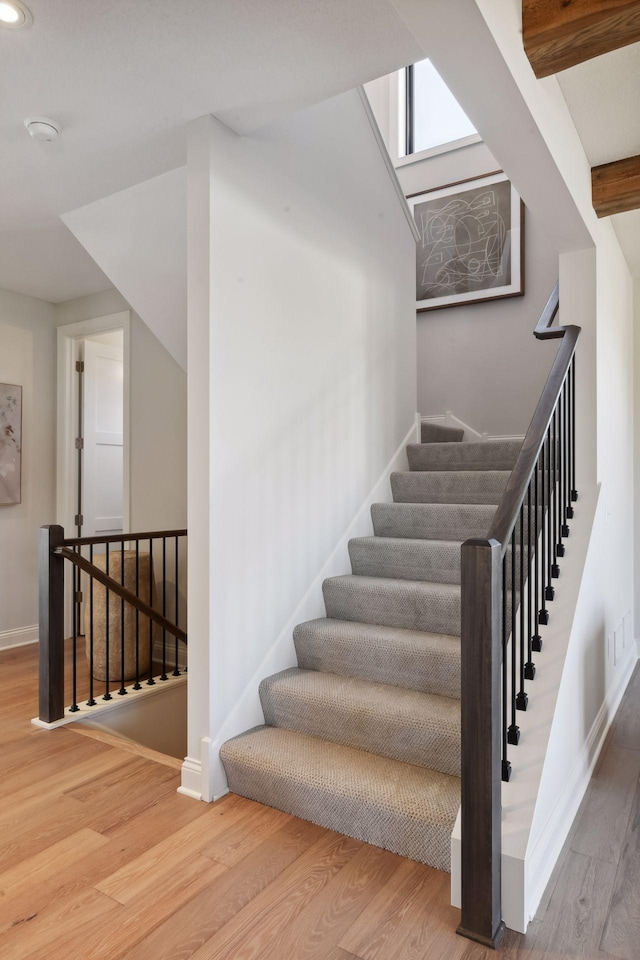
[40, 128]
[14, 14]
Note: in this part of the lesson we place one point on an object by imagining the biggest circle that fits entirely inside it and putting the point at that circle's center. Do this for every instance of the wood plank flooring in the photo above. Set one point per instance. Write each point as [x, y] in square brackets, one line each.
[101, 859]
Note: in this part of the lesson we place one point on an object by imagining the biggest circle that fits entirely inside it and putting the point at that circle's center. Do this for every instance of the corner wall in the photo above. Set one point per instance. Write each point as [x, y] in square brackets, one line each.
[311, 370]
[27, 358]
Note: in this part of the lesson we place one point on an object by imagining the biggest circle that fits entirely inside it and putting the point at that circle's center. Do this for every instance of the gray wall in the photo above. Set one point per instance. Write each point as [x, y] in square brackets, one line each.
[454, 344]
[27, 357]
[496, 337]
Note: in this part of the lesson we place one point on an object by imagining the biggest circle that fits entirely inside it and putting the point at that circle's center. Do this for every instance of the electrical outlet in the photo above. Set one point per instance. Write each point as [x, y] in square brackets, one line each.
[609, 648]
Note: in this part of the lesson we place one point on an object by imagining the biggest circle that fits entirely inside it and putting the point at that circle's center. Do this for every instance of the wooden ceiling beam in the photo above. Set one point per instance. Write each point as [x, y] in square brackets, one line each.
[616, 186]
[558, 34]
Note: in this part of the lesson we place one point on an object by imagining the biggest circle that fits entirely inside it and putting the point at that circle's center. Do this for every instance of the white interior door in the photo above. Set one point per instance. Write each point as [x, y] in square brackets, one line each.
[103, 417]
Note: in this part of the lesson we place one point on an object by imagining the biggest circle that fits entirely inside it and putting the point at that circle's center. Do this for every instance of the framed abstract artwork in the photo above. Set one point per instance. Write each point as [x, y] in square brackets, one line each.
[471, 245]
[10, 443]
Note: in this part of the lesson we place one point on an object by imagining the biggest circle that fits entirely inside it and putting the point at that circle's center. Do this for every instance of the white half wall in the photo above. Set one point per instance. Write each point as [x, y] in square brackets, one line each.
[27, 358]
[311, 367]
[138, 237]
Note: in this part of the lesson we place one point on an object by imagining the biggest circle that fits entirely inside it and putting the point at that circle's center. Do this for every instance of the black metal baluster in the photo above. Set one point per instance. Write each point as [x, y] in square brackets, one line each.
[574, 491]
[513, 734]
[150, 681]
[543, 613]
[176, 672]
[137, 685]
[567, 457]
[560, 477]
[549, 591]
[91, 701]
[536, 640]
[529, 667]
[506, 766]
[163, 675]
[555, 570]
[107, 695]
[123, 690]
[521, 699]
[74, 653]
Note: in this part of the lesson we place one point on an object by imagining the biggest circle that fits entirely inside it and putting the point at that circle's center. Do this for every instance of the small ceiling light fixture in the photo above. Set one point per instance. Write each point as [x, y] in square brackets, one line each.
[14, 14]
[42, 129]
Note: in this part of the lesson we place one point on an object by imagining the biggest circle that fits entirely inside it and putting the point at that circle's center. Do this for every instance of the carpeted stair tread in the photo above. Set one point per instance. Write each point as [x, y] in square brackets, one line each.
[403, 808]
[405, 559]
[409, 604]
[405, 725]
[479, 455]
[439, 433]
[414, 659]
[449, 486]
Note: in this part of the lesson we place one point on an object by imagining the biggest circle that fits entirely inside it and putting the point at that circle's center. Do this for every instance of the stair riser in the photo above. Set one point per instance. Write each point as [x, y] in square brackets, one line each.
[481, 487]
[414, 738]
[439, 433]
[431, 611]
[417, 521]
[487, 455]
[430, 667]
[437, 562]
[425, 842]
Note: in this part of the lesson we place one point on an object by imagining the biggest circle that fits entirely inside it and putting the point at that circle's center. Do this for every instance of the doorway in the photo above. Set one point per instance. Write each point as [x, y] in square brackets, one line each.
[93, 426]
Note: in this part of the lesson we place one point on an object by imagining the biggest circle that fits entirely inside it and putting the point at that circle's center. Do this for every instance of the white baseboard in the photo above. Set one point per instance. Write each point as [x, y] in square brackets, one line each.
[19, 637]
[197, 774]
[247, 712]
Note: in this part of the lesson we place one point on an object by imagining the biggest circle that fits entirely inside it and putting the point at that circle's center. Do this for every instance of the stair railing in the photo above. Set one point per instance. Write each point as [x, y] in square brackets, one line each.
[126, 623]
[506, 586]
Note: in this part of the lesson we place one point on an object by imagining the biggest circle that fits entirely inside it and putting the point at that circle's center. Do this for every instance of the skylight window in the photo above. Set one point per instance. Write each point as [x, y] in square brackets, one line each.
[431, 117]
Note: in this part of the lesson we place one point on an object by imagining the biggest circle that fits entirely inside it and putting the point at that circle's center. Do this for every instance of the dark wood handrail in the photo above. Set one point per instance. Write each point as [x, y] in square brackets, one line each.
[121, 591]
[516, 489]
[123, 538]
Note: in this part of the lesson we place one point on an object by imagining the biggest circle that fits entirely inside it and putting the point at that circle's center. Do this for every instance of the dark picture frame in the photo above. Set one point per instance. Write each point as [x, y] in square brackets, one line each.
[471, 246]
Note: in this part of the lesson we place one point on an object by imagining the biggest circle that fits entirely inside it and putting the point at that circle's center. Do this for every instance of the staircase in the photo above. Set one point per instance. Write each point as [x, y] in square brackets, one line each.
[363, 736]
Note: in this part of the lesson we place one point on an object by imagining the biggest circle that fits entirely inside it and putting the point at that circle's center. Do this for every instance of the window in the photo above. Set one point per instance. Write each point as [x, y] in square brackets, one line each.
[431, 117]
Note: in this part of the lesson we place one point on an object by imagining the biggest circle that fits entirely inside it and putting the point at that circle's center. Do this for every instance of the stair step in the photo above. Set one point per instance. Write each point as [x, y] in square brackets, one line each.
[419, 728]
[432, 521]
[449, 486]
[407, 809]
[439, 433]
[408, 604]
[479, 455]
[405, 559]
[428, 662]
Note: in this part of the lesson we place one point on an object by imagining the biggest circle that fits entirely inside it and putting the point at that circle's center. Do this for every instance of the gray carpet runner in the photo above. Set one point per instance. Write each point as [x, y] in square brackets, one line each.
[363, 736]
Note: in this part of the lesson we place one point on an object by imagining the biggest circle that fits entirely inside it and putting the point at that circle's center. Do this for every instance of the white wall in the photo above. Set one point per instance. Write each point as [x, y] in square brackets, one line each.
[312, 361]
[158, 417]
[27, 357]
[138, 237]
[455, 344]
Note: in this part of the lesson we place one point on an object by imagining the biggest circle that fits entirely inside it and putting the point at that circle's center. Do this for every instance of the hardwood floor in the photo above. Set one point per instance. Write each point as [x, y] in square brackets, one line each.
[101, 859]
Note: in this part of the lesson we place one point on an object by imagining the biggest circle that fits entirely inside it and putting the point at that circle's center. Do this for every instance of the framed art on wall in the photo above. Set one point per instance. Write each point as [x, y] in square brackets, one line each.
[471, 245]
[10, 443]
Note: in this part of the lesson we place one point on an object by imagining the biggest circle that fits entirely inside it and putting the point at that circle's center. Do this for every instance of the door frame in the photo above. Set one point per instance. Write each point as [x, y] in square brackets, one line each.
[67, 462]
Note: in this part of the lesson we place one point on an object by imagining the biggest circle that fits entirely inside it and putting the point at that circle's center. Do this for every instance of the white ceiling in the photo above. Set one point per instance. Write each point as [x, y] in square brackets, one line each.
[123, 79]
[603, 96]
